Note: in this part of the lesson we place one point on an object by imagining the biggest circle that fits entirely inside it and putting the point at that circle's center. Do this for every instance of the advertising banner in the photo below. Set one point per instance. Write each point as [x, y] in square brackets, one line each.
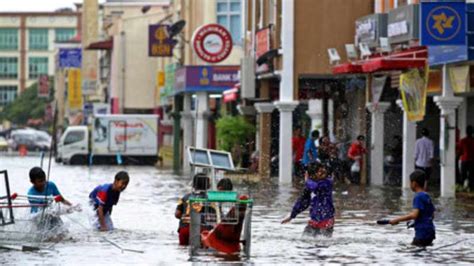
[43, 86]
[459, 77]
[413, 90]
[378, 83]
[74, 92]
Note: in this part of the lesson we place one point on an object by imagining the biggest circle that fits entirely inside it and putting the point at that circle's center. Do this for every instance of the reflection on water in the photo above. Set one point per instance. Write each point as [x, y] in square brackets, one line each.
[145, 218]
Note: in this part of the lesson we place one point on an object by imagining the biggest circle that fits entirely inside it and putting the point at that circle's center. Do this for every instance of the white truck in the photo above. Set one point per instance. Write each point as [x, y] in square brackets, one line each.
[111, 139]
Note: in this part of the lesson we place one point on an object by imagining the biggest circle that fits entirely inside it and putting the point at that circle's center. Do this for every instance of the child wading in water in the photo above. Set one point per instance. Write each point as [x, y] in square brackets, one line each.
[423, 211]
[318, 194]
[104, 197]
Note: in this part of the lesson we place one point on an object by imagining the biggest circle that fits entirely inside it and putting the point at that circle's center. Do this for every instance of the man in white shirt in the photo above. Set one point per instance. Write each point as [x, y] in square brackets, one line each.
[424, 153]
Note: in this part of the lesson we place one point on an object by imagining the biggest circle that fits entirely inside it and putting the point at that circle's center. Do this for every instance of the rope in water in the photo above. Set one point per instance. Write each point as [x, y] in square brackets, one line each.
[106, 239]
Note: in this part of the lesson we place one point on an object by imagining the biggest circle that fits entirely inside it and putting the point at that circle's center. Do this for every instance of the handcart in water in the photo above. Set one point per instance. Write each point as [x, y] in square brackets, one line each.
[222, 221]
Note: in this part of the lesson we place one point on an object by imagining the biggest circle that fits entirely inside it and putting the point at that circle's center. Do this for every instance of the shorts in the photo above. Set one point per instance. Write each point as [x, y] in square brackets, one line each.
[422, 242]
[108, 222]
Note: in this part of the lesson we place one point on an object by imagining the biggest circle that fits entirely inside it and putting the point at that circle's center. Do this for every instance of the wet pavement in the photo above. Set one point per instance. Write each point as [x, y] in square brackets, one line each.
[144, 219]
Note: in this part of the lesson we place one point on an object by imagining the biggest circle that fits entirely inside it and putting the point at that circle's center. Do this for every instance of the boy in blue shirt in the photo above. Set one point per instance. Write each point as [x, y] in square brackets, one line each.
[104, 197]
[317, 194]
[423, 212]
[42, 188]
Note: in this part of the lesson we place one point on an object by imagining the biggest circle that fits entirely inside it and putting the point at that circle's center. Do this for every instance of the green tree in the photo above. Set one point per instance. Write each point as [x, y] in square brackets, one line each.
[27, 106]
[233, 131]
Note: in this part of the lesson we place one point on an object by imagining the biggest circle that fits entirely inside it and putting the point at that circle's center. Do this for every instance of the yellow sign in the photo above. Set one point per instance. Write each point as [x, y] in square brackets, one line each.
[459, 77]
[74, 92]
[160, 78]
[413, 90]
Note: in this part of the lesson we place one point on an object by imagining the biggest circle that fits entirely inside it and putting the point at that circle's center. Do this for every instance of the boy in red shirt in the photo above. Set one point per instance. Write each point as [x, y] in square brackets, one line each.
[356, 153]
[465, 149]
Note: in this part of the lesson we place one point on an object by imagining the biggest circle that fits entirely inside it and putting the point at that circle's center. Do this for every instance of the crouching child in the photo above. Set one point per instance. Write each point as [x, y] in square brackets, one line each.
[104, 197]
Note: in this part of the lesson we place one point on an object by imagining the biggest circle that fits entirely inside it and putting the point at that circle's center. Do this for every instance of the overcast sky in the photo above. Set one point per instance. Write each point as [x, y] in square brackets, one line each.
[37, 5]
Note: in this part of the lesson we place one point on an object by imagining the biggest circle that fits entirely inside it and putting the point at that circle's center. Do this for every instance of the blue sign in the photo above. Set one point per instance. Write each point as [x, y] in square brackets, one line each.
[70, 57]
[443, 23]
[439, 55]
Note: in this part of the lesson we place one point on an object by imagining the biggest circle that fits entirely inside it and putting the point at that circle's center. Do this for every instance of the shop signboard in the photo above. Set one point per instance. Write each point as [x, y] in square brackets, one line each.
[370, 29]
[212, 43]
[443, 23]
[160, 43]
[403, 24]
[70, 57]
[206, 78]
[262, 38]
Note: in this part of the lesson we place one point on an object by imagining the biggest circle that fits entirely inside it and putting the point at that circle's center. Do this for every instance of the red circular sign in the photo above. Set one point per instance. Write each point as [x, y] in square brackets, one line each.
[212, 43]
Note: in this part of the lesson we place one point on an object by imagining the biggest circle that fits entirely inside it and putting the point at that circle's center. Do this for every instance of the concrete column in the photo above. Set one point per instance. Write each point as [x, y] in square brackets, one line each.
[202, 106]
[331, 120]
[265, 130]
[286, 104]
[448, 104]
[377, 145]
[286, 133]
[315, 112]
[187, 122]
[409, 140]
[462, 117]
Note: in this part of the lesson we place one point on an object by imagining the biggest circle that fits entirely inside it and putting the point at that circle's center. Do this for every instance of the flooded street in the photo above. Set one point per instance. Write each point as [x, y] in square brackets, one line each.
[145, 220]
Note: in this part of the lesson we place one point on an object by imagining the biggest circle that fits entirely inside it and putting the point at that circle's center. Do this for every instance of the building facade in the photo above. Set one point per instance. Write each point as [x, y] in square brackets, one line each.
[27, 47]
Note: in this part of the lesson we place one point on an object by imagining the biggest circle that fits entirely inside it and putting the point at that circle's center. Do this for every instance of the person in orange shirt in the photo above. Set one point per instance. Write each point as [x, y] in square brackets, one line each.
[356, 153]
[465, 148]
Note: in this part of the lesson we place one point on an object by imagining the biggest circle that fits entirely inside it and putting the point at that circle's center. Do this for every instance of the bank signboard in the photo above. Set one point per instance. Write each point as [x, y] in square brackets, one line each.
[160, 43]
[206, 78]
[443, 23]
[452, 48]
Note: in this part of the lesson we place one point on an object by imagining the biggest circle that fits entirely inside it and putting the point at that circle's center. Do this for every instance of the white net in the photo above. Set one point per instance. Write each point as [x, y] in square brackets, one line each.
[19, 226]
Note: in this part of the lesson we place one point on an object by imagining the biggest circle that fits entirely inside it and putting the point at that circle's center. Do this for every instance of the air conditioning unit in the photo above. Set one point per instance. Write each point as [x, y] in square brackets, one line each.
[247, 77]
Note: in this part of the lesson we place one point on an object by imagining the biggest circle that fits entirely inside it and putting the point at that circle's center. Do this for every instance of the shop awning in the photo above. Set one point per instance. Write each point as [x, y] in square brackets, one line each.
[102, 45]
[231, 95]
[347, 68]
[392, 64]
[411, 58]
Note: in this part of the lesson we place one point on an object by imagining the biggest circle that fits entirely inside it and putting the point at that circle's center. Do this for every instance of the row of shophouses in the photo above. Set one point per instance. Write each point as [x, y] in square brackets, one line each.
[300, 81]
[292, 63]
[297, 83]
